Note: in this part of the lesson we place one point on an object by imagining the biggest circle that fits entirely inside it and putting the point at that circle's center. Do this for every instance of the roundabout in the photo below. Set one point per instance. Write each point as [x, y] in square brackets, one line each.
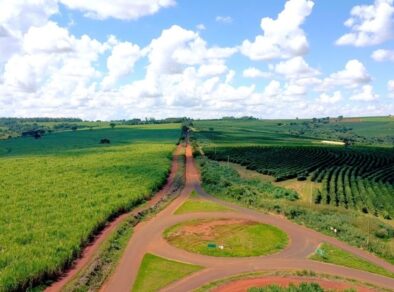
[226, 244]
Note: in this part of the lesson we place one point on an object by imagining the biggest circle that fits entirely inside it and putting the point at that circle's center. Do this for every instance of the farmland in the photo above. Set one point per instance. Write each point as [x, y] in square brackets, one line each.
[357, 177]
[58, 190]
[349, 185]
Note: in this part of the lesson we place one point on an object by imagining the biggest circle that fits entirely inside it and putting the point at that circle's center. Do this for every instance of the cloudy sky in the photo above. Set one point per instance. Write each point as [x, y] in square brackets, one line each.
[115, 59]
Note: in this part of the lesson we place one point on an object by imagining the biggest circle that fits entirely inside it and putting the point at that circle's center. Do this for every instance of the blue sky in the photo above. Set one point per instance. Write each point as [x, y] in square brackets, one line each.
[158, 58]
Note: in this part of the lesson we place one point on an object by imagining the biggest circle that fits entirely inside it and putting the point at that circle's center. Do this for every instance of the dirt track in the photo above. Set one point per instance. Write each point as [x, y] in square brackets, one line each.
[303, 241]
[90, 251]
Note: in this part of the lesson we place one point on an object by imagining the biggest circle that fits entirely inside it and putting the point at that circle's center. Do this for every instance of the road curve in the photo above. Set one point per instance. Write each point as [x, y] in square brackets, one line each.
[302, 242]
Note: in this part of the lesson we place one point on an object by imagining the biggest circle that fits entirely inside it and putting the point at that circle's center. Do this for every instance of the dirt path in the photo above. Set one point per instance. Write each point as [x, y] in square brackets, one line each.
[90, 251]
[303, 241]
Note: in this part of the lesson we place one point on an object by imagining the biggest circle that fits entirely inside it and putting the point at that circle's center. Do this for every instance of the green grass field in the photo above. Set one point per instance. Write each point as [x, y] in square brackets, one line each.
[239, 238]
[334, 255]
[58, 190]
[368, 131]
[195, 204]
[156, 273]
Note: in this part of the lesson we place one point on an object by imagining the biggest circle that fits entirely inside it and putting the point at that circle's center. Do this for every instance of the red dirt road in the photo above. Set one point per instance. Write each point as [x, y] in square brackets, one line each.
[303, 241]
[90, 251]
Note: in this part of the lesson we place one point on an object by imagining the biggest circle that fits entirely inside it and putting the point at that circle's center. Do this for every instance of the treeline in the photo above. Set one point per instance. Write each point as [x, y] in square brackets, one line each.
[150, 121]
[35, 127]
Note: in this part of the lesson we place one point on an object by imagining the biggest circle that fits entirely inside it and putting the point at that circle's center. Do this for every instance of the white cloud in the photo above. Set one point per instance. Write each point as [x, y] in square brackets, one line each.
[365, 94]
[212, 69]
[272, 89]
[16, 18]
[49, 38]
[330, 99]
[120, 9]
[369, 24]
[295, 68]
[383, 55]
[355, 74]
[390, 87]
[178, 48]
[201, 26]
[121, 62]
[224, 19]
[252, 72]
[58, 72]
[282, 37]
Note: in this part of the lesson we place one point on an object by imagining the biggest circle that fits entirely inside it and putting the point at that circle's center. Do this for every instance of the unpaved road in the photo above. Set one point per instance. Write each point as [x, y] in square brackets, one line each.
[147, 237]
[90, 251]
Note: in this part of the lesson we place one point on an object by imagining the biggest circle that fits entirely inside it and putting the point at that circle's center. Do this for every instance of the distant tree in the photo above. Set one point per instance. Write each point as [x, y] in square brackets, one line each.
[112, 125]
[74, 128]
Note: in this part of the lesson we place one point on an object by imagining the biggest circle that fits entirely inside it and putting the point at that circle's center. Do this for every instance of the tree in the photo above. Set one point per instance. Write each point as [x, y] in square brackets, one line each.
[112, 125]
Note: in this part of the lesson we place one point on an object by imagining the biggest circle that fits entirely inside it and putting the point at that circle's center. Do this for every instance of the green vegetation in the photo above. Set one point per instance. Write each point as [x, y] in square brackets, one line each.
[303, 287]
[156, 273]
[226, 237]
[331, 254]
[57, 191]
[356, 228]
[94, 275]
[195, 204]
[15, 127]
[362, 179]
[341, 186]
[224, 181]
[371, 131]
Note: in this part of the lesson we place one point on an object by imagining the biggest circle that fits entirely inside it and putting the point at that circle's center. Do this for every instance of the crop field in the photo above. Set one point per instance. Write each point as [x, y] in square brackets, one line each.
[370, 131]
[357, 177]
[353, 178]
[57, 191]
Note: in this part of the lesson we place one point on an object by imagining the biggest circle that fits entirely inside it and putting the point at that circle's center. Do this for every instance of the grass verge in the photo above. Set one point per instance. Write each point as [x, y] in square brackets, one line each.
[195, 204]
[226, 237]
[156, 273]
[331, 254]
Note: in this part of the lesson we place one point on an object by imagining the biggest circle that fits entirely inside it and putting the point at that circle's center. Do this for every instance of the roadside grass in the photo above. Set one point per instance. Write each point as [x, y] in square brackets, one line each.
[240, 238]
[58, 191]
[308, 275]
[93, 276]
[156, 273]
[305, 188]
[334, 255]
[195, 204]
[303, 287]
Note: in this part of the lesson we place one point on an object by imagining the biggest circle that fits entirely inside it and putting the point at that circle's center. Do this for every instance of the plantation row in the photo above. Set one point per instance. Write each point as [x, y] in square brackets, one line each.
[354, 178]
[342, 187]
